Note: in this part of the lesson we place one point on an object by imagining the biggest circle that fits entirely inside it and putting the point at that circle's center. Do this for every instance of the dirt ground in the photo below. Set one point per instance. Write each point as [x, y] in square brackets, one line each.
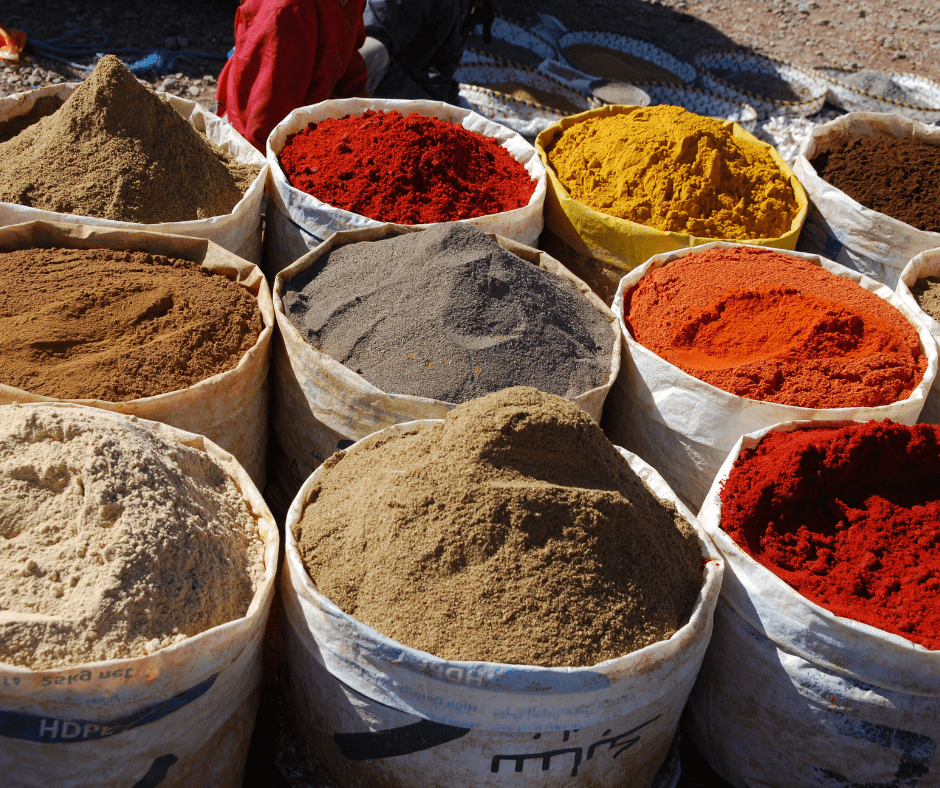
[809, 33]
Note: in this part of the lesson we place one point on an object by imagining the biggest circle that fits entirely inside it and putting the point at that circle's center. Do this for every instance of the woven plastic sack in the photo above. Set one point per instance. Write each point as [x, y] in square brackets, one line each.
[634, 48]
[926, 93]
[846, 231]
[624, 244]
[925, 264]
[321, 406]
[239, 232]
[792, 695]
[230, 408]
[375, 712]
[800, 79]
[298, 222]
[685, 427]
[178, 718]
[527, 117]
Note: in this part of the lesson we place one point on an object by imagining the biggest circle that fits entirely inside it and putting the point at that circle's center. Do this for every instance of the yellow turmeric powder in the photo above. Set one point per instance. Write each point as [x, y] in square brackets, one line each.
[676, 171]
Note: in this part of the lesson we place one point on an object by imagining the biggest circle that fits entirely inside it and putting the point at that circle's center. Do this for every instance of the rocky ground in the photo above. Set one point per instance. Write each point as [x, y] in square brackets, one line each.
[810, 33]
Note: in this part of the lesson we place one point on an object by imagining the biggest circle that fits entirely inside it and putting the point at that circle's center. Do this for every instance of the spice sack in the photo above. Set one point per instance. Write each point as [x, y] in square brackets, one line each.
[790, 692]
[237, 230]
[650, 180]
[230, 407]
[840, 227]
[297, 222]
[133, 618]
[485, 323]
[926, 266]
[376, 711]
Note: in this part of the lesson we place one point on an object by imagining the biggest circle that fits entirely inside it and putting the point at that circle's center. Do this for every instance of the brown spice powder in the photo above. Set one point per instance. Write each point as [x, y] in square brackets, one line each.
[116, 326]
[510, 532]
[896, 176]
[116, 150]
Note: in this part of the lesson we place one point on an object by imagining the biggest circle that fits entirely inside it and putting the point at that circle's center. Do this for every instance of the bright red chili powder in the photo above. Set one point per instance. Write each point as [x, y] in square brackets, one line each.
[772, 327]
[849, 517]
[408, 169]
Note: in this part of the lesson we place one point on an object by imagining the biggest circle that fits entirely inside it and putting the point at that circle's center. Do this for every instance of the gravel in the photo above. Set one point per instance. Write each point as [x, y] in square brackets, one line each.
[809, 33]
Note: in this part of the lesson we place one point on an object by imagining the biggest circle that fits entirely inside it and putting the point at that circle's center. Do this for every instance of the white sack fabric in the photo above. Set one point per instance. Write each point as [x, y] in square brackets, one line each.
[792, 695]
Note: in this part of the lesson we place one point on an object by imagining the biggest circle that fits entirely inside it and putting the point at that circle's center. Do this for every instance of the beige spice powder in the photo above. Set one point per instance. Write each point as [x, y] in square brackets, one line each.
[926, 292]
[511, 532]
[113, 541]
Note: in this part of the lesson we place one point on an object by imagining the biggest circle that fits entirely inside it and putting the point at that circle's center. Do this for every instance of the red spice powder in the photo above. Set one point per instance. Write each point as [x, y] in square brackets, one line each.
[849, 517]
[771, 327]
[408, 169]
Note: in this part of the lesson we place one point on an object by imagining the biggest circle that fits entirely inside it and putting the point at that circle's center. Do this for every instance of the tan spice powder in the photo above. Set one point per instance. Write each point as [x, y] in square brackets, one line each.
[926, 292]
[511, 532]
[116, 150]
[116, 326]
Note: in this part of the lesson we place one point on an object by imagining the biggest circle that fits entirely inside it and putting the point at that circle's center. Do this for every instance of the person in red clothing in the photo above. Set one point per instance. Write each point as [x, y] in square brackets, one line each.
[288, 54]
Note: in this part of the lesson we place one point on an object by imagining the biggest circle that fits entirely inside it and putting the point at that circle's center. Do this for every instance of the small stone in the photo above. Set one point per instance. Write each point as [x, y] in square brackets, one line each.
[194, 90]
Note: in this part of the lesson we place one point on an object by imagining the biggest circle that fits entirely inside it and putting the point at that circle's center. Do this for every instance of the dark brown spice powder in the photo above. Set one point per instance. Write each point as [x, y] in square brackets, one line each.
[896, 176]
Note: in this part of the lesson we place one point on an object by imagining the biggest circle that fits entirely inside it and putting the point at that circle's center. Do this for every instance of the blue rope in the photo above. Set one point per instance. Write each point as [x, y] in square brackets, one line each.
[63, 50]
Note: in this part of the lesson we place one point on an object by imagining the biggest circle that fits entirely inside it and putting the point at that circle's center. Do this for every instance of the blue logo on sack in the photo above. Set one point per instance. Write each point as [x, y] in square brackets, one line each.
[56, 730]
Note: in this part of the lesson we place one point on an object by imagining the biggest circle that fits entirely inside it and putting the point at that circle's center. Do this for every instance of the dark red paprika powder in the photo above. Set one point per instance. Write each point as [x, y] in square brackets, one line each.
[408, 169]
[849, 517]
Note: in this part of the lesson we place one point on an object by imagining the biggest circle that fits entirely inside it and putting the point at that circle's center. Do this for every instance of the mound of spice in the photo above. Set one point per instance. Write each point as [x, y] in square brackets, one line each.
[896, 176]
[926, 292]
[772, 327]
[45, 105]
[116, 326]
[447, 313]
[408, 169]
[849, 517]
[116, 542]
[675, 171]
[487, 535]
[116, 150]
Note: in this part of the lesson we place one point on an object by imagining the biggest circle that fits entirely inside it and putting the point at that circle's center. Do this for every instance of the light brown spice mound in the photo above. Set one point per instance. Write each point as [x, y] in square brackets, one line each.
[116, 326]
[926, 292]
[116, 150]
[114, 542]
[511, 532]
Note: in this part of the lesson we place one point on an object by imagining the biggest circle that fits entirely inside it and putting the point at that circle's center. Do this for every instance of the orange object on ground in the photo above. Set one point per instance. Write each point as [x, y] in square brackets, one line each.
[11, 44]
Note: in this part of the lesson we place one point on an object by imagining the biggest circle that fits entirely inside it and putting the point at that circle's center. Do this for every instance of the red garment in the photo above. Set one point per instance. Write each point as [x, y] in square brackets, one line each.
[288, 54]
